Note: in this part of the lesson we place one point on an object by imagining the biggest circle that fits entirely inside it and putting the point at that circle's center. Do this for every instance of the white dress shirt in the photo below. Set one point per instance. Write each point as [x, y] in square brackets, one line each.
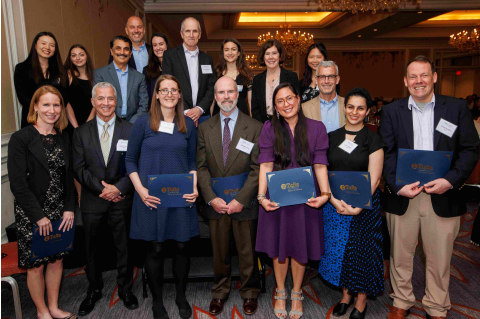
[192, 63]
[110, 129]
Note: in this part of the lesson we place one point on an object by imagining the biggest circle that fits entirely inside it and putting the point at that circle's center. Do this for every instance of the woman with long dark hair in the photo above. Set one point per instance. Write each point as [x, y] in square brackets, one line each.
[272, 55]
[43, 66]
[316, 53]
[151, 152]
[232, 63]
[153, 70]
[290, 140]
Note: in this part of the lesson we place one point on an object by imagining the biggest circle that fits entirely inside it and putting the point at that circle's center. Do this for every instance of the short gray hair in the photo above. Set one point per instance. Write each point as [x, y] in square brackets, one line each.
[183, 22]
[327, 64]
[103, 85]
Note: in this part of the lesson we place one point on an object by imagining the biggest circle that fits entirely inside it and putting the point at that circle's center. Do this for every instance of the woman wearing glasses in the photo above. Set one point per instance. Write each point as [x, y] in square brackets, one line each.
[295, 232]
[154, 149]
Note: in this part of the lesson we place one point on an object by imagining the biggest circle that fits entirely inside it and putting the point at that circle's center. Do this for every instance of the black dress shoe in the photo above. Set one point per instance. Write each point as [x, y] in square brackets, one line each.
[355, 314]
[129, 300]
[341, 308]
[184, 308]
[88, 303]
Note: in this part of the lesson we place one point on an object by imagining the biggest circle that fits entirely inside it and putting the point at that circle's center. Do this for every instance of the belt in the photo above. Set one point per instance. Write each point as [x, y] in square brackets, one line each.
[123, 117]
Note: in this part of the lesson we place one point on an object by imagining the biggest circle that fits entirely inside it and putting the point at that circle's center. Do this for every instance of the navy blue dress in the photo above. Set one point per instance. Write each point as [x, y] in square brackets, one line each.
[353, 244]
[155, 153]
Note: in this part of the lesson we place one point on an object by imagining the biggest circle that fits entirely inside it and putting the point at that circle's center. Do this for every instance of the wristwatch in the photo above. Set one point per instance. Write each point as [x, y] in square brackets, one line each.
[326, 193]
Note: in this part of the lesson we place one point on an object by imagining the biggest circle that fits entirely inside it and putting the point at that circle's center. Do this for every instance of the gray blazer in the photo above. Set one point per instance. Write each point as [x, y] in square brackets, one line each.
[137, 96]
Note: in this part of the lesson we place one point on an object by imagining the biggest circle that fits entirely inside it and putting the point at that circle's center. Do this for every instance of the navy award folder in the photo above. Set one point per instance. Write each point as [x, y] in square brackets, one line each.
[227, 188]
[355, 188]
[202, 119]
[292, 186]
[423, 166]
[56, 242]
[170, 188]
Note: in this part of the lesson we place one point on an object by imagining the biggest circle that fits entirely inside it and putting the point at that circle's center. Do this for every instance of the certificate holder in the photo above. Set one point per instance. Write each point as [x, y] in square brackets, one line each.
[170, 188]
[227, 188]
[56, 242]
[292, 186]
[354, 188]
[423, 166]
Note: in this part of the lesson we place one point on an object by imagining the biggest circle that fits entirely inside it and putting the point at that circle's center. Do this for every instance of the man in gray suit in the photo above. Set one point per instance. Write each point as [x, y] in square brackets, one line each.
[132, 99]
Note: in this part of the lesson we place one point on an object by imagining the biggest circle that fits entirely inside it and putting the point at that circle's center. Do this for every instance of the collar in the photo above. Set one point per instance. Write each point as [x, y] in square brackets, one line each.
[324, 103]
[192, 53]
[233, 116]
[118, 69]
[101, 122]
[412, 103]
[142, 47]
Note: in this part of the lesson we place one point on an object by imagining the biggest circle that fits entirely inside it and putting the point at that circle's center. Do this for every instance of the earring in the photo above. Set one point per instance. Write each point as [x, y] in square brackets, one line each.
[278, 115]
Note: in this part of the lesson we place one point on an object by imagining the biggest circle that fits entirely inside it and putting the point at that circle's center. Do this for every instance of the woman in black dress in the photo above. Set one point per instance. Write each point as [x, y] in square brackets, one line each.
[41, 180]
[233, 64]
[353, 257]
[272, 55]
[153, 69]
[316, 53]
[43, 66]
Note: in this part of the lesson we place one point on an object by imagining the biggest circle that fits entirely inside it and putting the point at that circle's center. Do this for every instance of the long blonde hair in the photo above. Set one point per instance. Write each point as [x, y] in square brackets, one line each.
[32, 117]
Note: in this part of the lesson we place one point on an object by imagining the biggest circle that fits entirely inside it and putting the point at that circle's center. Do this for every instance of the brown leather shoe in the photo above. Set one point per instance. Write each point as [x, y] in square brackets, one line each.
[398, 313]
[434, 317]
[250, 306]
[216, 306]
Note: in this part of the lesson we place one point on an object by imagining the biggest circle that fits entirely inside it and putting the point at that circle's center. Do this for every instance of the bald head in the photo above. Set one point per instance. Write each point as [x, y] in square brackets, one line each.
[226, 95]
[135, 30]
[191, 33]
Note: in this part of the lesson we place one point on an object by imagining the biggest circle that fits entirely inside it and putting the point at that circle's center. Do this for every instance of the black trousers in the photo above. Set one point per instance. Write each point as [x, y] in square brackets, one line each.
[119, 224]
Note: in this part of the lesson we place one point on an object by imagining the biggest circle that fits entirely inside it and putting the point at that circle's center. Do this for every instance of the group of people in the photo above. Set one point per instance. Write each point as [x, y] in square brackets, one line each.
[147, 106]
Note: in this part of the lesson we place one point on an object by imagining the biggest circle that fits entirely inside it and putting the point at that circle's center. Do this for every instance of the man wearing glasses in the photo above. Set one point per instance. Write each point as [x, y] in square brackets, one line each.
[328, 107]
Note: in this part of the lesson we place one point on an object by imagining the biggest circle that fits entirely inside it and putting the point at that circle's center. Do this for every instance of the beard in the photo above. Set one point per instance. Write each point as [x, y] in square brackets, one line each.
[227, 108]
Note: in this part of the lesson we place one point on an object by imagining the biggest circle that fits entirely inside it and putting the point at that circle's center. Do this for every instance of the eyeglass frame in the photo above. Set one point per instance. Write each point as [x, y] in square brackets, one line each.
[285, 100]
[330, 77]
[169, 91]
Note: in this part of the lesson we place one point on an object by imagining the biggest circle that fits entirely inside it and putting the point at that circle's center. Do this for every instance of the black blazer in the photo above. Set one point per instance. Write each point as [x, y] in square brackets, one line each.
[396, 130]
[25, 87]
[29, 174]
[259, 107]
[131, 62]
[174, 63]
[90, 170]
[150, 86]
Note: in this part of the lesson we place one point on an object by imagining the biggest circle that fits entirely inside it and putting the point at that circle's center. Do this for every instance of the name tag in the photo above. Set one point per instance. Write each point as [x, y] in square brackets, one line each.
[122, 145]
[166, 127]
[348, 146]
[245, 146]
[240, 88]
[207, 69]
[445, 127]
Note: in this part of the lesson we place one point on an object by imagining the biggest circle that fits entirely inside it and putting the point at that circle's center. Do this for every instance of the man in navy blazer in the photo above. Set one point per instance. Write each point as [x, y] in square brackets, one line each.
[433, 209]
[132, 99]
[193, 69]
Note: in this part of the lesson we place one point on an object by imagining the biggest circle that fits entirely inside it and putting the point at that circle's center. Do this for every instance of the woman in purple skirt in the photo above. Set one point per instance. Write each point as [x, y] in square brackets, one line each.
[290, 140]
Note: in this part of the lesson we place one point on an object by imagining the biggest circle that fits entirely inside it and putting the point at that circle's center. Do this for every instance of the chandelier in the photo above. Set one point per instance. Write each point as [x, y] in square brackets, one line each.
[362, 5]
[465, 41]
[252, 62]
[291, 42]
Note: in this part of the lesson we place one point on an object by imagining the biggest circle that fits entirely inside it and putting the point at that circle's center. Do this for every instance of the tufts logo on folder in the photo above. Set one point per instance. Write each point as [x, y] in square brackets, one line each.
[422, 167]
[232, 192]
[290, 186]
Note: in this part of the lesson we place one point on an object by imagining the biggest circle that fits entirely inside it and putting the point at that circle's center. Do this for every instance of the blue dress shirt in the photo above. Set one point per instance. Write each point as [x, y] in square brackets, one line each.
[110, 129]
[123, 80]
[141, 57]
[329, 112]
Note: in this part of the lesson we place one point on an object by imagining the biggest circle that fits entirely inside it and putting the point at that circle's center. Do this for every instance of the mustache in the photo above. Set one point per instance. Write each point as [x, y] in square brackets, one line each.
[122, 55]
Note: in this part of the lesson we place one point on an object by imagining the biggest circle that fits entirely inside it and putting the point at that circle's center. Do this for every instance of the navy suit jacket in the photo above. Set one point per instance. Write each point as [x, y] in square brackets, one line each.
[396, 130]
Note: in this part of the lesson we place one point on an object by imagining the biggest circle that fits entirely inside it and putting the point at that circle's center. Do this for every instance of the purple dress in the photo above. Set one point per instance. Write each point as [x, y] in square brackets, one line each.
[293, 231]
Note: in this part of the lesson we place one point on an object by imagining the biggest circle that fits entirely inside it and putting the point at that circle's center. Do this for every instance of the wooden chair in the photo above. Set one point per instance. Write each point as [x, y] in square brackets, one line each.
[9, 268]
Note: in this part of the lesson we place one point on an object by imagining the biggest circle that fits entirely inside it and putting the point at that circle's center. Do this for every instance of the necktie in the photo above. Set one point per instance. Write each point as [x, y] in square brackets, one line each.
[226, 141]
[104, 143]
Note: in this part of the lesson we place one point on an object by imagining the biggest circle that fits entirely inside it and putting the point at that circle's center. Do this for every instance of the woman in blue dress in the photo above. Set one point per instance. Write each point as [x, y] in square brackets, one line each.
[152, 150]
[353, 237]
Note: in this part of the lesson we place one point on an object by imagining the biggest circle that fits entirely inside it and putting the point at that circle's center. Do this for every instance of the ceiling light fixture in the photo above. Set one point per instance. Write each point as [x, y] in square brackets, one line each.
[356, 6]
[466, 41]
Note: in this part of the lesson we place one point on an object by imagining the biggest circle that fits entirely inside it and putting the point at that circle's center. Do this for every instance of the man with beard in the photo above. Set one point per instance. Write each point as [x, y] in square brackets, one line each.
[328, 107]
[219, 155]
[132, 100]
[135, 32]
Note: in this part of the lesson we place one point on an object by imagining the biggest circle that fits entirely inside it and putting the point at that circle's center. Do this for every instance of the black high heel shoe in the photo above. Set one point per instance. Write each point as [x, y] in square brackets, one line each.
[355, 314]
[341, 308]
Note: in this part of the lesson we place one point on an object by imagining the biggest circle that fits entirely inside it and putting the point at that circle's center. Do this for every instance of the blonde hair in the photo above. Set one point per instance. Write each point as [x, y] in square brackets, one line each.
[32, 117]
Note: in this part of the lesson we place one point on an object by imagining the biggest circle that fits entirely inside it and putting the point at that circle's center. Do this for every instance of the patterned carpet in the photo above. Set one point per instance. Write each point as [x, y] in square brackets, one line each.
[319, 302]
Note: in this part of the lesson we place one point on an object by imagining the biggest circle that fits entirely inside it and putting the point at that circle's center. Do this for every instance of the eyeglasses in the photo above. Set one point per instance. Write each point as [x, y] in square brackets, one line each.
[166, 91]
[330, 77]
[289, 99]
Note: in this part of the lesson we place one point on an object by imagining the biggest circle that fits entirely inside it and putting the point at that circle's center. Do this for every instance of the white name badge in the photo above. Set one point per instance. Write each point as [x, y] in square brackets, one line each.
[245, 146]
[239, 88]
[207, 69]
[122, 145]
[445, 127]
[348, 146]
[166, 127]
